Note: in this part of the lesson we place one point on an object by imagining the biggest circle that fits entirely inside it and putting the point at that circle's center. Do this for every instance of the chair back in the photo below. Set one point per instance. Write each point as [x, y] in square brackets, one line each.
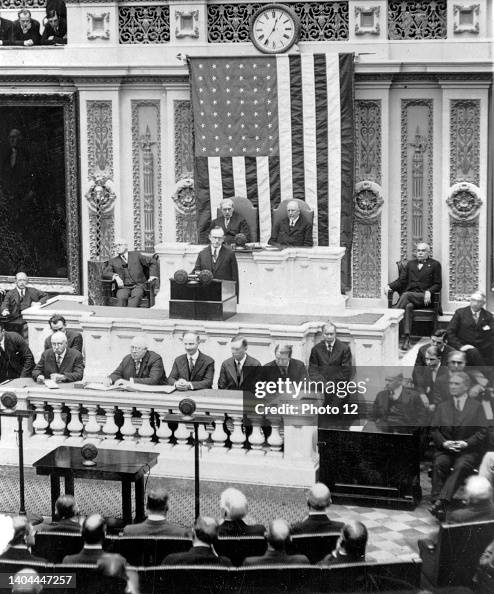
[90, 581]
[237, 548]
[275, 579]
[279, 213]
[192, 579]
[54, 546]
[150, 550]
[313, 546]
[248, 211]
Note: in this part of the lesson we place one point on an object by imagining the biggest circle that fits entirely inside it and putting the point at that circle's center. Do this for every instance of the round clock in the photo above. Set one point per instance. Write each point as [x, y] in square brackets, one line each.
[274, 28]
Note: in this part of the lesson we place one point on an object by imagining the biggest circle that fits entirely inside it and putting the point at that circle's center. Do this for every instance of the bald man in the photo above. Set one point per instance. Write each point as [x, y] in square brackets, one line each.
[318, 502]
[231, 222]
[142, 366]
[19, 548]
[20, 298]
[93, 535]
[292, 231]
[204, 534]
[193, 370]
[277, 538]
[59, 363]
[350, 547]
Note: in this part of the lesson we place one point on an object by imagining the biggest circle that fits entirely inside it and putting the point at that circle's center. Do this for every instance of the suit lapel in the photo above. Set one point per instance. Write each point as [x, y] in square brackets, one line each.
[232, 370]
[197, 366]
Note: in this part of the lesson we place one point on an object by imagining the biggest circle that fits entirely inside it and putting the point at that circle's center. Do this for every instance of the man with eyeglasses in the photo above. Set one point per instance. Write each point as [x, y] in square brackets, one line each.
[231, 222]
[294, 230]
[59, 363]
[457, 361]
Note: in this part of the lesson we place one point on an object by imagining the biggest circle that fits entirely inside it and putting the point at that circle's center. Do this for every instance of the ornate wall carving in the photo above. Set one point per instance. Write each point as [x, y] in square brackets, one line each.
[100, 196]
[146, 174]
[466, 18]
[417, 19]
[366, 252]
[183, 195]
[186, 24]
[416, 174]
[464, 140]
[367, 20]
[98, 25]
[22, 4]
[144, 24]
[320, 21]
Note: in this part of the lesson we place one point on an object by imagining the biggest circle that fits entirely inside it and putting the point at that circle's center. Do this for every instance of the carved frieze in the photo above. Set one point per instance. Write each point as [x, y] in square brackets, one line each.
[464, 140]
[417, 19]
[100, 139]
[144, 24]
[368, 140]
[101, 201]
[367, 20]
[185, 205]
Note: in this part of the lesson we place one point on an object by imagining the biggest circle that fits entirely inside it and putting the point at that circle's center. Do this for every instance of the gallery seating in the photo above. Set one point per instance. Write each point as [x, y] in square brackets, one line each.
[313, 546]
[237, 548]
[147, 550]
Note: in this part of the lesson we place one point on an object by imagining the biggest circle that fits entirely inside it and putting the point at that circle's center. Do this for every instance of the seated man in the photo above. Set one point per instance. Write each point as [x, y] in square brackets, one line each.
[27, 581]
[477, 497]
[233, 505]
[16, 358]
[19, 548]
[240, 371]
[6, 27]
[116, 575]
[292, 231]
[484, 576]
[204, 534]
[231, 222]
[128, 270]
[55, 32]
[418, 280]
[318, 502]
[218, 258]
[283, 366]
[20, 298]
[25, 30]
[67, 513]
[471, 330]
[140, 367]
[438, 340]
[194, 370]
[59, 363]
[431, 377]
[458, 431]
[156, 523]
[93, 535]
[277, 538]
[397, 408]
[58, 324]
[350, 547]
[457, 361]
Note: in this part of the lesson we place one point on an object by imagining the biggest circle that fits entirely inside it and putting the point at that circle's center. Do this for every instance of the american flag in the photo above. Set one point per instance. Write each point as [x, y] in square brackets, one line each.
[271, 128]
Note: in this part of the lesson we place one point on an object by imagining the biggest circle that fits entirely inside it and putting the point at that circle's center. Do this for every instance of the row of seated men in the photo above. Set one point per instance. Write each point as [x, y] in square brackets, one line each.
[26, 31]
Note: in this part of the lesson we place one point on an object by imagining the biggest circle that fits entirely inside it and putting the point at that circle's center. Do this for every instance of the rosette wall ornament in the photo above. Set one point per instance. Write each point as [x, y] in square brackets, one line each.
[185, 205]
[368, 201]
[464, 202]
[101, 200]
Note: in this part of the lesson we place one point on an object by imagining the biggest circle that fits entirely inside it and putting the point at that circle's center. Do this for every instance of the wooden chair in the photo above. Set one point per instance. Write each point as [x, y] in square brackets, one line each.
[109, 289]
[249, 212]
[53, 546]
[278, 579]
[237, 548]
[453, 559]
[150, 550]
[425, 314]
[280, 213]
[192, 579]
[313, 546]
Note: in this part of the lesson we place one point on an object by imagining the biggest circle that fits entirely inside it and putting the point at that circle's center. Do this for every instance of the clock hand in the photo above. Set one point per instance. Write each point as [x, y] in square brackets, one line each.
[274, 27]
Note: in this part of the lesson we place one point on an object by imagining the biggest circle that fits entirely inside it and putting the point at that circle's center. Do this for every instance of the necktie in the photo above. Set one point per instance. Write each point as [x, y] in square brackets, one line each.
[13, 157]
[138, 367]
[283, 372]
[476, 316]
[22, 293]
[59, 360]
[227, 222]
[239, 373]
[124, 259]
[329, 347]
[458, 404]
[292, 224]
[215, 255]
[191, 364]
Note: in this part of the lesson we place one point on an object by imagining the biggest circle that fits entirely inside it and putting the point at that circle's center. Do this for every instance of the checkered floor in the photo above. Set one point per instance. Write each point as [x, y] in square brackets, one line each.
[393, 534]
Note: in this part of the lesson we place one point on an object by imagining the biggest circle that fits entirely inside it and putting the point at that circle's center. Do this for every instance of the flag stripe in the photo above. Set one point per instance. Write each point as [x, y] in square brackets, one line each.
[264, 198]
[334, 155]
[201, 187]
[215, 183]
[251, 180]
[296, 117]
[309, 140]
[320, 84]
[274, 181]
[285, 131]
[239, 181]
[227, 177]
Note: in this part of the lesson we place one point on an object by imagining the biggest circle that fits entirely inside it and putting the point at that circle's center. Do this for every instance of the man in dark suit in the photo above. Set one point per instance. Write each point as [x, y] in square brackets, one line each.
[397, 408]
[478, 504]
[20, 544]
[67, 514]
[16, 358]
[471, 330]
[20, 298]
[283, 366]
[194, 370]
[59, 324]
[59, 363]
[330, 359]
[55, 32]
[438, 340]
[93, 535]
[25, 30]
[218, 258]
[240, 371]
[128, 270]
[277, 538]
[350, 547]
[317, 522]
[231, 222]
[233, 505]
[204, 534]
[457, 361]
[430, 378]
[142, 366]
[459, 430]
[156, 523]
[292, 231]
[6, 28]
[418, 280]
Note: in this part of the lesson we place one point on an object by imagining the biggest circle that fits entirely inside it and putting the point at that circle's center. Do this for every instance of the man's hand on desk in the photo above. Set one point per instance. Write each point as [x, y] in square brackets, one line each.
[57, 377]
[183, 385]
[40, 379]
[121, 383]
[5, 312]
[107, 382]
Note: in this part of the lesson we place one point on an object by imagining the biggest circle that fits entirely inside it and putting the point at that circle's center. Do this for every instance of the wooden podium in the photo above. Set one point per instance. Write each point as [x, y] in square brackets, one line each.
[216, 301]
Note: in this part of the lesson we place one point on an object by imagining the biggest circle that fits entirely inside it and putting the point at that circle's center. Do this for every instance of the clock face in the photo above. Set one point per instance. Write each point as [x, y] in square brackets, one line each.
[274, 29]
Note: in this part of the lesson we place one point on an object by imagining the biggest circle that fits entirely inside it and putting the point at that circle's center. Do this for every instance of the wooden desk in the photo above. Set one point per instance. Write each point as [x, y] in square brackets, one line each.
[111, 465]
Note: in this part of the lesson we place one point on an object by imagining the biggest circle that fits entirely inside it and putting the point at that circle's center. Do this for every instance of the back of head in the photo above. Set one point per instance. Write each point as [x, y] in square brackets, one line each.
[233, 504]
[319, 497]
[478, 489]
[22, 528]
[354, 537]
[157, 501]
[206, 529]
[112, 572]
[25, 582]
[94, 529]
[66, 507]
[278, 534]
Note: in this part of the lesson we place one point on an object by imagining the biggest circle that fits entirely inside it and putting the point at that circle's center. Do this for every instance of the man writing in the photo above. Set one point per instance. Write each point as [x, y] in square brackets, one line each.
[60, 364]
